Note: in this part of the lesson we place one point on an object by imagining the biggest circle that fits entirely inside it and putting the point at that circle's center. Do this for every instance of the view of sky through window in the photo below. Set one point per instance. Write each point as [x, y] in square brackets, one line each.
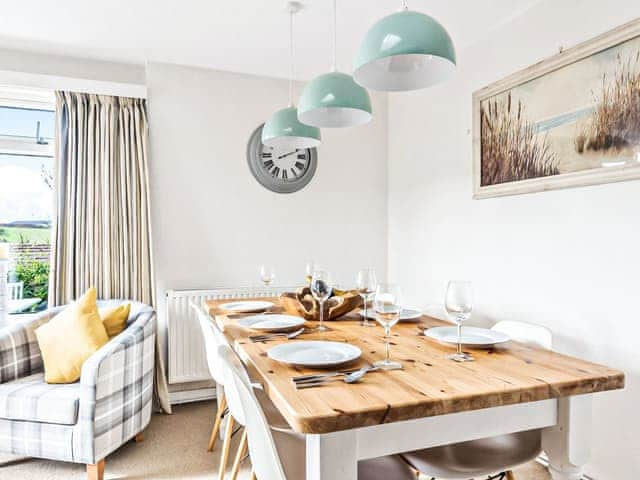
[24, 191]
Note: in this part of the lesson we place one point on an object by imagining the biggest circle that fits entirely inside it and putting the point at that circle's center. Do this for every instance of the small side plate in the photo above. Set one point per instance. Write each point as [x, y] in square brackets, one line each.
[472, 337]
[273, 322]
[249, 306]
[406, 314]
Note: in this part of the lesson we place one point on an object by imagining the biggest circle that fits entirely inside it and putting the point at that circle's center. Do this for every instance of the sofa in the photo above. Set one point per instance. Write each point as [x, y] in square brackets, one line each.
[82, 422]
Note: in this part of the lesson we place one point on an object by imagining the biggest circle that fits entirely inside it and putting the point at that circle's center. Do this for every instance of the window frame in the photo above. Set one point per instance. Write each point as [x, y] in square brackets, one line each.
[26, 98]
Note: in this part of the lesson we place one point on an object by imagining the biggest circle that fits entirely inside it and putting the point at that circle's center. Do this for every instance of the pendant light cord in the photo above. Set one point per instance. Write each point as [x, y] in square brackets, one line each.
[405, 7]
[335, 36]
[290, 58]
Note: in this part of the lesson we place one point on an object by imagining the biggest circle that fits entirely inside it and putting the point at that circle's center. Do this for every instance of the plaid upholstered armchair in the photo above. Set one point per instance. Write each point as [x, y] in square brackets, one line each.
[82, 422]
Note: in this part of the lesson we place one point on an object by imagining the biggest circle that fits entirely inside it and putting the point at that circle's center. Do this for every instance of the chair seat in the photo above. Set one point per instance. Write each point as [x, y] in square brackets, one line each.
[477, 457]
[32, 399]
[292, 451]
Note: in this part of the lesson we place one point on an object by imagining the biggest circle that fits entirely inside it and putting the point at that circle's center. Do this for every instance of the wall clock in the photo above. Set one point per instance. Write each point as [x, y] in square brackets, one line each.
[278, 170]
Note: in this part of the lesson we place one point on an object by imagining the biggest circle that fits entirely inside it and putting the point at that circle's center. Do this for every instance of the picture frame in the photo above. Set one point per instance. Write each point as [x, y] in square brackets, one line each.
[572, 148]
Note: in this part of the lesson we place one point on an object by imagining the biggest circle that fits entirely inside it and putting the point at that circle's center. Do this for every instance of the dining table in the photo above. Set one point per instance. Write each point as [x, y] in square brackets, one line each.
[432, 401]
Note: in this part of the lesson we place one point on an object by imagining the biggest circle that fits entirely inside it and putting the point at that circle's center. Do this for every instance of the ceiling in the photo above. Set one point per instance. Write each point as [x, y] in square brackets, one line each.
[249, 36]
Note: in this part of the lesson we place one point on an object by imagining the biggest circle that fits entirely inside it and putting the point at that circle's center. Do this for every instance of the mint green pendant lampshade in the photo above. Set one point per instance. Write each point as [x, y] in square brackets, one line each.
[405, 51]
[334, 100]
[283, 130]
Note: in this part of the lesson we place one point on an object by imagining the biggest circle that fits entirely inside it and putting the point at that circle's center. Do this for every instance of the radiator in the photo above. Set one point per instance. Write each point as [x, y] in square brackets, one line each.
[186, 357]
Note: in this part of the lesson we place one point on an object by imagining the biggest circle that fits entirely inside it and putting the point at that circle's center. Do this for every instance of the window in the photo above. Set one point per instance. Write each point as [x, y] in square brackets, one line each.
[27, 129]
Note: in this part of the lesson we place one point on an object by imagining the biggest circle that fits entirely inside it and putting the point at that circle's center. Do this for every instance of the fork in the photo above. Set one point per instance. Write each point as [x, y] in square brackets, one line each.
[270, 336]
[353, 377]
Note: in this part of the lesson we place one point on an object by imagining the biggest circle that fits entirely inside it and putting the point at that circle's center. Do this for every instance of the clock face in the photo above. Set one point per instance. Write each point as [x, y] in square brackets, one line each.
[281, 171]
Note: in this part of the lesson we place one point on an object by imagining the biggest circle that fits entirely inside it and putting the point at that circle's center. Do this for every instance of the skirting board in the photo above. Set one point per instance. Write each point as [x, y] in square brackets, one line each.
[544, 461]
[186, 396]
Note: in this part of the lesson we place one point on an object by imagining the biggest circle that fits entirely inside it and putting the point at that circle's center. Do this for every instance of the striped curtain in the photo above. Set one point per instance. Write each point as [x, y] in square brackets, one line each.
[102, 232]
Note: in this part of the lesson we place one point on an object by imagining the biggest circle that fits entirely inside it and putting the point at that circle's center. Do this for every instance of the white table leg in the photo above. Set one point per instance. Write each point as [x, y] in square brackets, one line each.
[568, 444]
[332, 456]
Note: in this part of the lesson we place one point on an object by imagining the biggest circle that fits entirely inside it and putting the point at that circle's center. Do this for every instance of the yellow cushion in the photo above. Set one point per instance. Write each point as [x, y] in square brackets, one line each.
[115, 319]
[71, 337]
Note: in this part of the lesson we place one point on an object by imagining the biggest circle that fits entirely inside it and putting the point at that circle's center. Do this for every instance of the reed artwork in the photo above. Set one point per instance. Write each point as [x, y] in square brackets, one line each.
[615, 123]
[511, 149]
[582, 117]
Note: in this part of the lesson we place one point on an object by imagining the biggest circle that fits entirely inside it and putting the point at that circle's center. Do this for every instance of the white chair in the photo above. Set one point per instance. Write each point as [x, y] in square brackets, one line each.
[211, 343]
[16, 290]
[213, 339]
[487, 456]
[278, 454]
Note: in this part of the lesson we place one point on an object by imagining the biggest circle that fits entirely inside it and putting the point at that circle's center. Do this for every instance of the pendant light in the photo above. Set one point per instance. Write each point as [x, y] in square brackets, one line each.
[334, 99]
[283, 130]
[405, 51]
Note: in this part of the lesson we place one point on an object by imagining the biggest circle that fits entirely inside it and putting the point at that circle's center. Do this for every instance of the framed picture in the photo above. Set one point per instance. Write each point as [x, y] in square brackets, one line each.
[568, 121]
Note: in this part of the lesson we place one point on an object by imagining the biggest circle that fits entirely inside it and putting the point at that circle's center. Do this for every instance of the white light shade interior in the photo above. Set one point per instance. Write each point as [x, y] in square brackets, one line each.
[292, 143]
[335, 117]
[404, 72]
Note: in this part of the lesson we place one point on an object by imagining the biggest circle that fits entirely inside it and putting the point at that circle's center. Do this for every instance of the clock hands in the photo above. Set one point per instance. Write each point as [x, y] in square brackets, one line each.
[287, 154]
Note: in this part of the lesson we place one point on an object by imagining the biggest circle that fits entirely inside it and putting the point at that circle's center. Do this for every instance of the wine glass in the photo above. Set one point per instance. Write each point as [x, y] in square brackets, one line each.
[267, 274]
[366, 283]
[321, 290]
[387, 306]
[309, 268]
[459, 303]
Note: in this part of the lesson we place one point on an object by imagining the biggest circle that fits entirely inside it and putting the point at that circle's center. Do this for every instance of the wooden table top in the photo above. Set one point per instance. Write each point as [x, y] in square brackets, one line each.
[429, 384]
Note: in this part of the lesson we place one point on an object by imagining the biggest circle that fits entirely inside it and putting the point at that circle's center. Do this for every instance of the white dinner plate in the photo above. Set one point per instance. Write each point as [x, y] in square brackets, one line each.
[472, 337]
[406, 314]
[272, 322]
[249, 306]
[315, 354]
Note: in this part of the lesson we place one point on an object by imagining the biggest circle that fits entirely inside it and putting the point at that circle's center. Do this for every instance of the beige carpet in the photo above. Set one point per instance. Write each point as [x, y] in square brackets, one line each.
[174, 448]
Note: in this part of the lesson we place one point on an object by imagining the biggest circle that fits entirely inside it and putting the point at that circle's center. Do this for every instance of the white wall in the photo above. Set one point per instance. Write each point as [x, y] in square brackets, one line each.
[568, 259]
[214, 224]
[41, 70]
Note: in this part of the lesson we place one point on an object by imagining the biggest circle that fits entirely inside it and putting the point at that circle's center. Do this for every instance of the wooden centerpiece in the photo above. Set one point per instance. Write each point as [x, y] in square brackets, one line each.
[302, 303]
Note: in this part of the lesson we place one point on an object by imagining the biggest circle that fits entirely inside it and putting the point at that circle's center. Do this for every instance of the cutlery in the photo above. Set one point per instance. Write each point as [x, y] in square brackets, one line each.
[270, 336]
[352, 377]
[320, 376]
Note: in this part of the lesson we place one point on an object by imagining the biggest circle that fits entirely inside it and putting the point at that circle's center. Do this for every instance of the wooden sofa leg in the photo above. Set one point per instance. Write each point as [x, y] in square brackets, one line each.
[139, 438]
[95, 471]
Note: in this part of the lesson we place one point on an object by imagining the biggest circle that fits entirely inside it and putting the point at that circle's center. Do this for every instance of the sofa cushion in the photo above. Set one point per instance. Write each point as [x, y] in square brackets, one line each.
[32, 399]
[115, 319]
[71, 337]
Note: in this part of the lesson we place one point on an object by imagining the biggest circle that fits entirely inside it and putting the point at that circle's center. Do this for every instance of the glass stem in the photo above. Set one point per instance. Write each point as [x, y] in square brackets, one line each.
[366, 318]
[387, 342]
[321, 314]
[459, 338]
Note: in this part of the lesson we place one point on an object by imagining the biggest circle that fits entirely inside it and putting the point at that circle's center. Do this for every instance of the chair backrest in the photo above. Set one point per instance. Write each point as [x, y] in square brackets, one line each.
[262, 449]
[527, 333]
[213, 338]
[16, 290]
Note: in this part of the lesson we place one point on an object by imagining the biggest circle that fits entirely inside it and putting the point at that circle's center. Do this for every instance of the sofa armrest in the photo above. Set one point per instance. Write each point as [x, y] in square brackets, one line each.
[19, 352]
[116, 390]
[130, 354]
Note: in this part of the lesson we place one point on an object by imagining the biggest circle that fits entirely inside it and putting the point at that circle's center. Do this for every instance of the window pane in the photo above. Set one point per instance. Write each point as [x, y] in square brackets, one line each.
[23, 122]
[26, 204]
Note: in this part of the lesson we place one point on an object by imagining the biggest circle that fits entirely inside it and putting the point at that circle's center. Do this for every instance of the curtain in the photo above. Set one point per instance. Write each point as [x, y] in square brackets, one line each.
[102, 232]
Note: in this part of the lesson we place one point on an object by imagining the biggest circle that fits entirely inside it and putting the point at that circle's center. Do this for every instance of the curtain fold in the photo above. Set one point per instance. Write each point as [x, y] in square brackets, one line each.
[102, 233]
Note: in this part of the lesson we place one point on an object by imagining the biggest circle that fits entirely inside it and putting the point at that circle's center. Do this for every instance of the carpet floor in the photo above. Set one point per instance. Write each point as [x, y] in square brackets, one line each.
[175, 447]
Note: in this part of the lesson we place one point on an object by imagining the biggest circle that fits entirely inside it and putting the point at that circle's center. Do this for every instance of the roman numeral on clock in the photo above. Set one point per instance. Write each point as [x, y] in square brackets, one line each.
[266, 154]
[299, 165]
[302, 156]
[268, 164]
[284, 174]
[276, 172]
